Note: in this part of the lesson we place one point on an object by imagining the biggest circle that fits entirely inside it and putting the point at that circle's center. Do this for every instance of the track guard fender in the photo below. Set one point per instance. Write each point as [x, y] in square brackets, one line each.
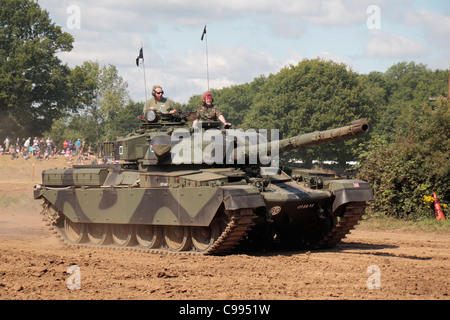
[242, 197]
[353, 190]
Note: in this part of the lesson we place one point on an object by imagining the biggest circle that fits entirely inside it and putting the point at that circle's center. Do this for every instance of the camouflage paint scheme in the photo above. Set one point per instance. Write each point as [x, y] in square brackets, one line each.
[170, 203]
[175, 204]
[146, 188]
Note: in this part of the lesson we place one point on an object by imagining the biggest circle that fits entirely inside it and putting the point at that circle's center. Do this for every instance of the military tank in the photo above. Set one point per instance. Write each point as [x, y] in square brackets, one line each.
[207, 190]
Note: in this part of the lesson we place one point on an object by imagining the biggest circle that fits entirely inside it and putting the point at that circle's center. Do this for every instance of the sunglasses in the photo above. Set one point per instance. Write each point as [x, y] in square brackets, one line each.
[160, 92]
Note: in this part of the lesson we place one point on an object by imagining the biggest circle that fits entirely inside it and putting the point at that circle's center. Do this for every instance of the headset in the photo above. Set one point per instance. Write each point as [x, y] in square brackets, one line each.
[154, 88]
[204, 98]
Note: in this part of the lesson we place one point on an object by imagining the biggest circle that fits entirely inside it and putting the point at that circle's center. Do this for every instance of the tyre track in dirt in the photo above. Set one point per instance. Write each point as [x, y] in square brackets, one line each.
[34, 264]
[412, 265]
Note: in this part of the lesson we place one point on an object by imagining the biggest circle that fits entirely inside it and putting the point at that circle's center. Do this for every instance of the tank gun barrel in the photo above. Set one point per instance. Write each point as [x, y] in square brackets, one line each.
[356, 128]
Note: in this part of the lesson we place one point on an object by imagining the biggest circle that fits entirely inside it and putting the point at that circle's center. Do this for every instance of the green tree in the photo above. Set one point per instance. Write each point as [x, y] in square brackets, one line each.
[313, 95]
[234, 101]
[408, 87]
[100, 92]
[101, 96]
[126, 121]
[33, 81]
[415, 165]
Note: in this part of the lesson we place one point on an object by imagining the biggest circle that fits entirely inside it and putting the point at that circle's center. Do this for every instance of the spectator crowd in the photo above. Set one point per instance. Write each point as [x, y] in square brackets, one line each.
[45, 149]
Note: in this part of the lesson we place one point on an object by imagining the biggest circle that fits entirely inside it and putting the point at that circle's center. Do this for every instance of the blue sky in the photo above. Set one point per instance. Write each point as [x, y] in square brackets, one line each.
[248, 38]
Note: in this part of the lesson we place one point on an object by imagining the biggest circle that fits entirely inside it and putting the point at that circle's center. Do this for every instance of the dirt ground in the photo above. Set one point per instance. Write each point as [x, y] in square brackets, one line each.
[368, 265]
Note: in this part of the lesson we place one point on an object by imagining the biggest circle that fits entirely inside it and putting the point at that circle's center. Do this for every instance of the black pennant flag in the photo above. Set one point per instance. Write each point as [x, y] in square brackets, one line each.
[140, 56]
[204, 32]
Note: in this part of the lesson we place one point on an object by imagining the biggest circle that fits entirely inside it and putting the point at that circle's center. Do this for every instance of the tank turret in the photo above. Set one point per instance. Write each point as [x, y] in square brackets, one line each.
[203, 190]
[167, 140]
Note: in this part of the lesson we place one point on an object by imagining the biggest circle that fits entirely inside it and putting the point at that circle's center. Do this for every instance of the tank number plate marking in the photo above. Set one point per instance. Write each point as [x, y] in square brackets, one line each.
[306, 206]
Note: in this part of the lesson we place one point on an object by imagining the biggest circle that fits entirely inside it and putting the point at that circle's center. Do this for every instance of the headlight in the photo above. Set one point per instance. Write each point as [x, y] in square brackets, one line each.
[150, 115]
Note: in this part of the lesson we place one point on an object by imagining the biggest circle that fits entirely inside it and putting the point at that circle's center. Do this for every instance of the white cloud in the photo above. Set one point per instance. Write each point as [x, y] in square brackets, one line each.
[185, 74]
[294, 58]
[328, 56]
[337, 13]
[145, 15]
[384, 44]
[253, 37]
[92, 45]
[435, 25]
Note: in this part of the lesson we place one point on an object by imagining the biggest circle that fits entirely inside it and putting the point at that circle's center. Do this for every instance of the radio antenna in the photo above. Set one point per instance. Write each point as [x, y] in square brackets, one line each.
[141, 57]
[205, 36]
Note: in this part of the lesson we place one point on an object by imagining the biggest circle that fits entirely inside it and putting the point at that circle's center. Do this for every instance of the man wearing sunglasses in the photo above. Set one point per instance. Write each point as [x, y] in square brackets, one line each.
[159, 103]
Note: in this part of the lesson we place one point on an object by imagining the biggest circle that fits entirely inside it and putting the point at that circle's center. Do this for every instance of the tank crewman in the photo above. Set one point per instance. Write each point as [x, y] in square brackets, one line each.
[208, 111]
[159, 103]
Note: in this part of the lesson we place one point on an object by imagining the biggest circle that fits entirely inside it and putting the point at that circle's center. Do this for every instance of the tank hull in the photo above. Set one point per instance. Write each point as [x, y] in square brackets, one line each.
[109, 199]
[155, 206]
[202, 190]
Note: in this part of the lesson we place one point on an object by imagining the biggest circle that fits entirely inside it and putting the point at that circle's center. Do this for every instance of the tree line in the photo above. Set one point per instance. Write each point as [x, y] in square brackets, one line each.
[405, 156]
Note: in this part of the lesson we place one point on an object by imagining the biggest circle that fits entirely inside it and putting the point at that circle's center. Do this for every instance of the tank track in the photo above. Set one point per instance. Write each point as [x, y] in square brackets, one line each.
[236, 229]
[352, 214]
[238, 222]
